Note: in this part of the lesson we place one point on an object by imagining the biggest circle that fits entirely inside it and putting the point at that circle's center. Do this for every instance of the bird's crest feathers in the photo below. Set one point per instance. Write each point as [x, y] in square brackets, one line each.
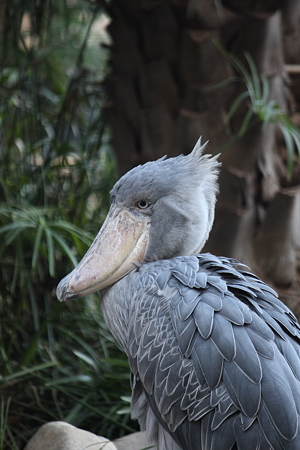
[206, 164]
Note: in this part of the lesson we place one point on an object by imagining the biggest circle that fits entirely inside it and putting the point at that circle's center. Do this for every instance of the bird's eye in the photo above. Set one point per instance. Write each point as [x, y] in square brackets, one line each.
[143, 204]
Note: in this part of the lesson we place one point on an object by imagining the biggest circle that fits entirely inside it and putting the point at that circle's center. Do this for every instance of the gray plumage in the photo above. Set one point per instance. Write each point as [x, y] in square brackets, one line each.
[214, 354]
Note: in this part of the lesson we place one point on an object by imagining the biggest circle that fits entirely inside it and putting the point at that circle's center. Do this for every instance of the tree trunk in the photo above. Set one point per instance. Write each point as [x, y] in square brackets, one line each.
[162, 96]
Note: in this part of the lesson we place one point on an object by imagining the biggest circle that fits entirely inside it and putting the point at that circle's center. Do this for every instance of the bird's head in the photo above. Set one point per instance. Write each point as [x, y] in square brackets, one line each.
[159, 210]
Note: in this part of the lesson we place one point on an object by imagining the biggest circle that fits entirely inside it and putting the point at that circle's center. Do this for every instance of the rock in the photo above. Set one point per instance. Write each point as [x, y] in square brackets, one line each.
[134, 441]
[63, 436]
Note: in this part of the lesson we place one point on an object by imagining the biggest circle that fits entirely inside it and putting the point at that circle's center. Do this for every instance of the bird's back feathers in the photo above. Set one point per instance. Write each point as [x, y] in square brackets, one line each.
[215, 354]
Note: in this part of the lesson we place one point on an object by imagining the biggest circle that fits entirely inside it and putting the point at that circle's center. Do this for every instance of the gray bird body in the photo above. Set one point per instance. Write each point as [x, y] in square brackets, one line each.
[214, 355]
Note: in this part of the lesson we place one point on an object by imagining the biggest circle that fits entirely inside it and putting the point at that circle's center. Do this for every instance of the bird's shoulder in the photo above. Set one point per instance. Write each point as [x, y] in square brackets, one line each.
[205, 287]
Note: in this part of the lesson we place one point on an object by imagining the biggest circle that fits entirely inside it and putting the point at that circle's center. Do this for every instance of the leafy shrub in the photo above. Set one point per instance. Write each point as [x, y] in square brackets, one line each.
[58, 361]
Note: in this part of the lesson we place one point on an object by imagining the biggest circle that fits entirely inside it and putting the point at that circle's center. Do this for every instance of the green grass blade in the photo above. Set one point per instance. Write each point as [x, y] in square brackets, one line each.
[19, 266]
[245, 74]
[72, 230]
[3, 420]
[19, 226]
[289, 143]
[80, 378]
[94, 355]
[27, 371]
[86, 359]
[36, 247]
[246, 125]
[14, 233]
[236, 104]
[222, 84]
[34, 306]
[255, 78]
[109, 417]
[51, 251]
[67, 250]
[296, 136]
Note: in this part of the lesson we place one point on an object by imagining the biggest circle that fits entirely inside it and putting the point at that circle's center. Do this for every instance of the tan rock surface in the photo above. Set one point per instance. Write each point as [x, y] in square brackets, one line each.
[63, 436]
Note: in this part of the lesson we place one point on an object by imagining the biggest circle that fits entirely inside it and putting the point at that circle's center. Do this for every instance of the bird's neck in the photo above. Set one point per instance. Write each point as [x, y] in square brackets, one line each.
[116, 308]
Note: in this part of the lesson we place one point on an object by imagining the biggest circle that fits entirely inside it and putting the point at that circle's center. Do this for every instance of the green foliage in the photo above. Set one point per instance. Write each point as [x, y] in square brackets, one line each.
[37, 238]
[261, 109]
[3, 420]
[58, 361]
[76, 375]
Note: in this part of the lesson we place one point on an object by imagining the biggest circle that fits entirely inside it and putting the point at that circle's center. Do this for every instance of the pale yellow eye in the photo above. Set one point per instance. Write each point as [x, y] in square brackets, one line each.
[143, 204]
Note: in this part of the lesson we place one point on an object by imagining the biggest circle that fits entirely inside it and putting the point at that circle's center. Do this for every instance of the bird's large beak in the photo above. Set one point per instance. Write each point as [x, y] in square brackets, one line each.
[118, 248]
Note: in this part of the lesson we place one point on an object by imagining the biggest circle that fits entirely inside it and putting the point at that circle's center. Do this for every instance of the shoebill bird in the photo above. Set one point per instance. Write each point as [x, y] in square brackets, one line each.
[214, 354]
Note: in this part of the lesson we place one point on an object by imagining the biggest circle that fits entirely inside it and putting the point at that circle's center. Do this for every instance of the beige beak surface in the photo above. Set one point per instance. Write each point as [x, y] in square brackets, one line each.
[119, 246]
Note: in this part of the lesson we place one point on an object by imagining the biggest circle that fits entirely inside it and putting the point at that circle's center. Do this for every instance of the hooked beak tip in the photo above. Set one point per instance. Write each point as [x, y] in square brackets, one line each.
[63, 290]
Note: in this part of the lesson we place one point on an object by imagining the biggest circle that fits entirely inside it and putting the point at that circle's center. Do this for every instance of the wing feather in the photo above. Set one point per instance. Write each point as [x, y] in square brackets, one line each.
[276, 392]
[252, 439]
[223, 337]
[204, 319]
[246, 357]
[213, 300]
[217, 360]
[185, 332]
[231, 311]
[263, 346]
[185, 309]
[210, 361]
[224, 434]
[241, 388]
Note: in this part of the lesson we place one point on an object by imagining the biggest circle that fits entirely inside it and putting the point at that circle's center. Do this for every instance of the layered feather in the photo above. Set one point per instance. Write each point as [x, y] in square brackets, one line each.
[215, 353]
